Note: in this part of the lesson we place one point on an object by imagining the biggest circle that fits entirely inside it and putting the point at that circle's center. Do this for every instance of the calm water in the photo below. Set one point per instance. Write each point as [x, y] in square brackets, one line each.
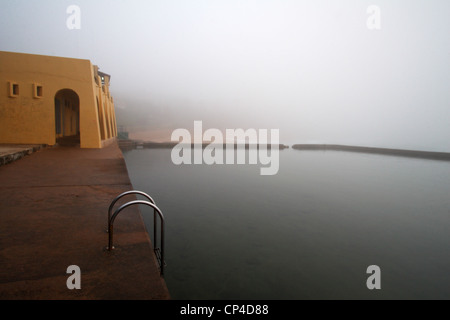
[309, 232]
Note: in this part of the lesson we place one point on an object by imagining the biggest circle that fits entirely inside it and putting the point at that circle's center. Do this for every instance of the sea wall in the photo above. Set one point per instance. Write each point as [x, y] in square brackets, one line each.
[386, 151]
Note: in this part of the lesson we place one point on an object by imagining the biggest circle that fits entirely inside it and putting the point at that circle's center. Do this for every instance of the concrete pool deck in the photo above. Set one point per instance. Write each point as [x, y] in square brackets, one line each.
[53, 214]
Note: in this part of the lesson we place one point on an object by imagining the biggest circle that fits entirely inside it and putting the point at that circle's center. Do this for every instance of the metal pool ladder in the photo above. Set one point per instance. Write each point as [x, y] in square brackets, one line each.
[159, 252]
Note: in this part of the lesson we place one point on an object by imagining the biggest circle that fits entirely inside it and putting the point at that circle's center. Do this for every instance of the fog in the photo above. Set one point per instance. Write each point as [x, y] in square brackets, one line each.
[316, 70]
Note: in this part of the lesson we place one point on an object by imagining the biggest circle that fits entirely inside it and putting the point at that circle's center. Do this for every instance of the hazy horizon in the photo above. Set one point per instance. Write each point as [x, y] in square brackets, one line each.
[312, 69]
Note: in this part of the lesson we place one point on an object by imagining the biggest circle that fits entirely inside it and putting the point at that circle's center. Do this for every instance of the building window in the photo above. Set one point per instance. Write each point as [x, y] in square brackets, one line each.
[13, 89]
[38, 91]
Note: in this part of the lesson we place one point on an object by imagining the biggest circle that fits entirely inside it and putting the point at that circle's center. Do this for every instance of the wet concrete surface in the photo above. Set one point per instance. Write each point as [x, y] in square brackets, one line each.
[53, 214]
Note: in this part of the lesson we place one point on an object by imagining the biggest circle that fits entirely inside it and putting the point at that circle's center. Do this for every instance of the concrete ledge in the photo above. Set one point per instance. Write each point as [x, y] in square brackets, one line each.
[13, 152]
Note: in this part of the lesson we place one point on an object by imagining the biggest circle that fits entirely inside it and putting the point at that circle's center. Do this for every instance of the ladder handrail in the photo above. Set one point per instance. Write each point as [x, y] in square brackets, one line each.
[155, 233]
[156, 209]
[122, 195]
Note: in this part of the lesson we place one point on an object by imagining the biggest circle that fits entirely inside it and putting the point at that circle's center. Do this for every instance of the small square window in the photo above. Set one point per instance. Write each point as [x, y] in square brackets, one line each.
[13, 89]
[38, 91]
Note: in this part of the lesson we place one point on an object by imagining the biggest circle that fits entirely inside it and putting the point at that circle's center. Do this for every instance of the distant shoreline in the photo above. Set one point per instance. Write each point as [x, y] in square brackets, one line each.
[445, 156]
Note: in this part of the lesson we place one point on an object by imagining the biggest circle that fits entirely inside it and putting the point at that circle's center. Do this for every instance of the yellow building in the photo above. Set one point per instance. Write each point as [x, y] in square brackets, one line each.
[46, 98]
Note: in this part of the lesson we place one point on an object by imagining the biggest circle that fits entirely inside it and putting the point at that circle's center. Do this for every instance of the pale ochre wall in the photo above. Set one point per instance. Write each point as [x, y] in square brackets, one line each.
[25, 119]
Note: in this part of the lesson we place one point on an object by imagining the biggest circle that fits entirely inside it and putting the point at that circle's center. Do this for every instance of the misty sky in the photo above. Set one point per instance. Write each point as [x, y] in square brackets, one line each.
[312, 69]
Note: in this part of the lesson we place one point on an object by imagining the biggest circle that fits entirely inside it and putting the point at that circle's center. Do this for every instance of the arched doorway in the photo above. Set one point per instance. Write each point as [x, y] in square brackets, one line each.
[67, 117]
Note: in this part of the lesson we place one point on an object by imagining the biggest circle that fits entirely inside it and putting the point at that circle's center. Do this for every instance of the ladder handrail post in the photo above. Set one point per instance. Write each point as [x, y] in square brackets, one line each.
[110, 237]
[154, 229]
[162, 246]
